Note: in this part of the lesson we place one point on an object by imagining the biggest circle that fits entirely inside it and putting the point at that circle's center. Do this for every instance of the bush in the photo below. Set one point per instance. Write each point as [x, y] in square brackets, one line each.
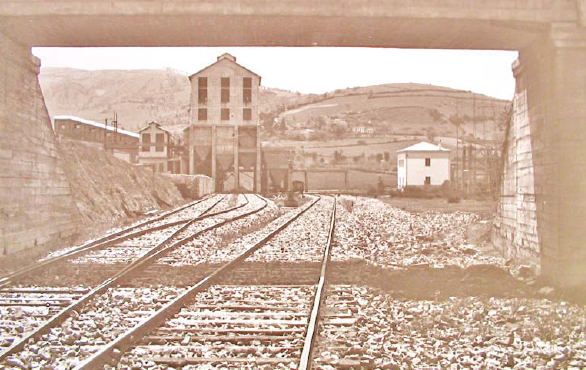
[454, 199]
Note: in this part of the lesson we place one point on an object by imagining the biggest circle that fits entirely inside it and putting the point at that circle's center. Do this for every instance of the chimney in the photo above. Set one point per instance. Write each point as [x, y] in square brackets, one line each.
[227, 56]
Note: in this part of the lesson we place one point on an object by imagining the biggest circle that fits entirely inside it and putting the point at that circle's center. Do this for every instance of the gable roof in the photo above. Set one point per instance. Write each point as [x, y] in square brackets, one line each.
[423, 147]
[229, 58]
[149, 125]
[95, 124]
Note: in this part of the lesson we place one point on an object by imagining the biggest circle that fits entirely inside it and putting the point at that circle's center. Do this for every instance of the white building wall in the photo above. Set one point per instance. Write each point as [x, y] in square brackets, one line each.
[417, 171]
[401, 170]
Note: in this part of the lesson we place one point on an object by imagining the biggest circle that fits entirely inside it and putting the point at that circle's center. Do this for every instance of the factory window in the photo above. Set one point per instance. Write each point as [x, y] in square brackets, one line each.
[225, 114]
[247, 89]
[427, 162]
[401, 162]
[63, 126]
[202, 114]
[427, 180]
[247, 114]
[146, 142]
[160, 140]
[77, 126]
[202, 90]
[225, 89]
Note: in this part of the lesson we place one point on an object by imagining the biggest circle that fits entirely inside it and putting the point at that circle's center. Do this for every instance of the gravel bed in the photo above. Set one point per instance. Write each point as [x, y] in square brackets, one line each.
[100, 322]
[371, 230]
[226, 242]
[130, 250]
[457, 333]
[17, 321]
[190, 212]
[285, 303]
[304, 240]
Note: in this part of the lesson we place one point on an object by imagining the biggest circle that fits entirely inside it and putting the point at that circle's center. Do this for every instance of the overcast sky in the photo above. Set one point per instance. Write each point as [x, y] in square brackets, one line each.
[314, 70]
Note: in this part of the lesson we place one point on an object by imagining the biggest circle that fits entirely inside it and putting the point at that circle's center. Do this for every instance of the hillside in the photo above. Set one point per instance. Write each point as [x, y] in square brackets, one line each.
[403, 109]
[137, 96]
[391, 110]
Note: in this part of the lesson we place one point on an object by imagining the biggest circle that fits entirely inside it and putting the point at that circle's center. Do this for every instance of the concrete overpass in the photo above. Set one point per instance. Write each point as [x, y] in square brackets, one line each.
[540, 219]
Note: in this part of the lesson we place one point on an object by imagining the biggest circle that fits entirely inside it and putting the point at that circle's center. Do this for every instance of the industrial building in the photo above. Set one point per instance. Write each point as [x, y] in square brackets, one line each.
[423, 164]
[123, 144]
[157, 149]
[223, 133]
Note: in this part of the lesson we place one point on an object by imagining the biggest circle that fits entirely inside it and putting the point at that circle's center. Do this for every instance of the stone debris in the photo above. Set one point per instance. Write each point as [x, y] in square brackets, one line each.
[457, 333]
[392, 238]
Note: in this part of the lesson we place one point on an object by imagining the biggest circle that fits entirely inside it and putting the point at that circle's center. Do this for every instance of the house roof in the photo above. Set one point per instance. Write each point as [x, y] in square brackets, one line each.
[423, 147]
[149, 125]
[96, 124]
[230, 58]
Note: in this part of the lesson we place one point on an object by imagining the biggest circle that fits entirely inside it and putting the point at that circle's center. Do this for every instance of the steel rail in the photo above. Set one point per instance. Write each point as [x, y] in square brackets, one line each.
[312, 329]
[150, 256]
[104, 241]
[89, 248]
[112, 352]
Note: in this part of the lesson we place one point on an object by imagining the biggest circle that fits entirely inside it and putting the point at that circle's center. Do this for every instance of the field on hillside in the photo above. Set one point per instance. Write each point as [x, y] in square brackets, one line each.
[407, 109]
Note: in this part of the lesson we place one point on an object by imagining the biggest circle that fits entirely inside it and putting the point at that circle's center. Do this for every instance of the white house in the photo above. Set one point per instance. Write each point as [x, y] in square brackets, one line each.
[423, 164]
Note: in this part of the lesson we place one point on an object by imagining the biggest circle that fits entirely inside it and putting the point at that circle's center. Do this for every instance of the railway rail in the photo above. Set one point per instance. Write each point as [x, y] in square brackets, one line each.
[249, 326]
[119, 236]
[60, 303]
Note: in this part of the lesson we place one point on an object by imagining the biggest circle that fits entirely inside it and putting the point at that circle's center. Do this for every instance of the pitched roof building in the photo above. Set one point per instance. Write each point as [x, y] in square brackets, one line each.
[423, 164]
[222, 138]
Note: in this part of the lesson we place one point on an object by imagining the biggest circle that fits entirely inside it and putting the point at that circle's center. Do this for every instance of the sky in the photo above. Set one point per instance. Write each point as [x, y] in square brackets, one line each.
[314, 70]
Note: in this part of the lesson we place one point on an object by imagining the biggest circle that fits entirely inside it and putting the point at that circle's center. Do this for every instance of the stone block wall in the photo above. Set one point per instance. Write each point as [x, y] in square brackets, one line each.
[36, 206]
[515, 223]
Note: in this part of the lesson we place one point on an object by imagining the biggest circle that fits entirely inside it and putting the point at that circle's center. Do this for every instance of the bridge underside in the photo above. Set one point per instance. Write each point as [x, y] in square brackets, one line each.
[540, 219]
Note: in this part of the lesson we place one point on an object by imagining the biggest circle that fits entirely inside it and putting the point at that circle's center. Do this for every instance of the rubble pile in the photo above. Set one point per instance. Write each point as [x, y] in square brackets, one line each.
[457, 333]
[391, 238]
[100, 322]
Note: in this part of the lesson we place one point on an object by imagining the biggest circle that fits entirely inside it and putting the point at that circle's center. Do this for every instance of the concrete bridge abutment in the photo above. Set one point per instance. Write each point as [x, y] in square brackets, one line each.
[36, 205]
[541, 218]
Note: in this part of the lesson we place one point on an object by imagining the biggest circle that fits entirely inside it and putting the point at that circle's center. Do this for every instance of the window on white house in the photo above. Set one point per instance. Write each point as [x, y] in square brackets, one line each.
[427, 162]
[427, 180]
[146, 142]
[401, 162]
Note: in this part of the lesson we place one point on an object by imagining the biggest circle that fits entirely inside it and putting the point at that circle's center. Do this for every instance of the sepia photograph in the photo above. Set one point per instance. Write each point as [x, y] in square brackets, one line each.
[280, 184]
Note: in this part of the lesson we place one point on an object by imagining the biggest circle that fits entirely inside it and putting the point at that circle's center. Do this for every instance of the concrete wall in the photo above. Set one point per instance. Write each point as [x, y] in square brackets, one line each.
[344, 180]
[36, 204]
[192, 186]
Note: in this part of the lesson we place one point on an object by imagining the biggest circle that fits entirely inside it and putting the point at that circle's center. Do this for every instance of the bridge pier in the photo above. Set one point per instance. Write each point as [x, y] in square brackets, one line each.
[541, 220]
[36, 205]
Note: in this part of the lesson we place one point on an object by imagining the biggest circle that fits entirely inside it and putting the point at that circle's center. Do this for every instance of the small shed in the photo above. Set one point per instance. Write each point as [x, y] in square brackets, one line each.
[423, 164]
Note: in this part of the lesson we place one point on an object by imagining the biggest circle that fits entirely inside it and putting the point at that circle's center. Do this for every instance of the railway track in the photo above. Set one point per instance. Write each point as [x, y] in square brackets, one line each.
[169, 219]
[229, 326]
[33, 311]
